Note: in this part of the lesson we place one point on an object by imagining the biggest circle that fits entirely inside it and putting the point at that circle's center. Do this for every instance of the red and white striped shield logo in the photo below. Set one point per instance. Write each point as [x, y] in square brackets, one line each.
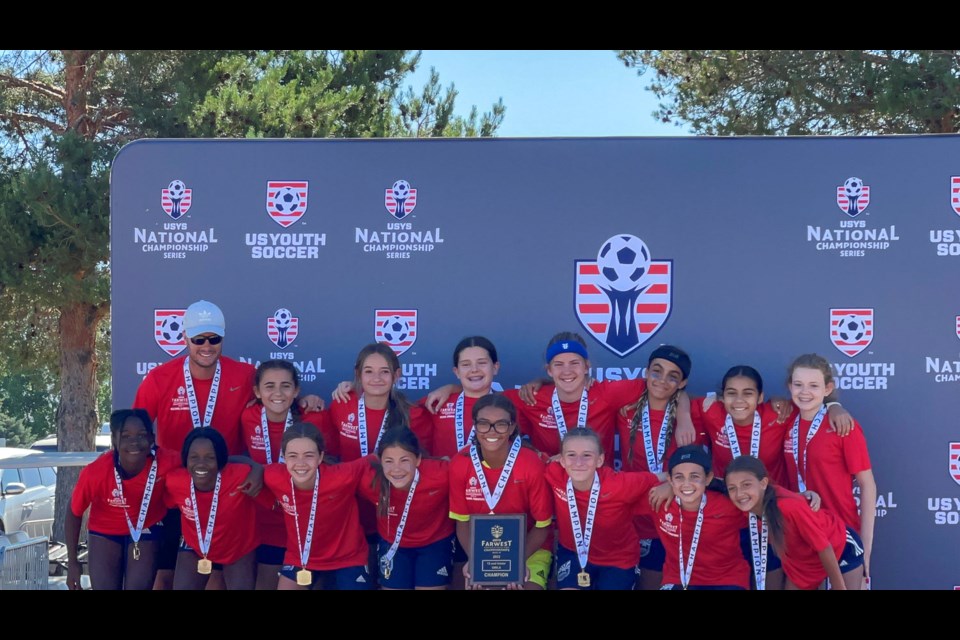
[397, 328]
[623, 297]
[286, 201]
[955, 194]
[955, 461]
[282, 328]
[958, 326]
[853, 197]
[176, 199]
[168, 330]
[400, 199]
[851, 330]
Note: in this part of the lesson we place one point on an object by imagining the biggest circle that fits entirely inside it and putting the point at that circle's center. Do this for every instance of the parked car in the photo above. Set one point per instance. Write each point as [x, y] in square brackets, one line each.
[26, 494]
[49, 443]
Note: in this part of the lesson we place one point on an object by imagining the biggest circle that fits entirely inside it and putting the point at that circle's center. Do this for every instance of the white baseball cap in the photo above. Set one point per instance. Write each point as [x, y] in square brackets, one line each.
[203, 317]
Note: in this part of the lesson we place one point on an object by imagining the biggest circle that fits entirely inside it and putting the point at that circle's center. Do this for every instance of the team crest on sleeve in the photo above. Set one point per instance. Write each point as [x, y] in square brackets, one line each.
[955, 461]
[282, 328]
[400, 200]
[624, 296]
[168, 330]
[853, 197]
[397, 328]
[851, 330]
[286, 201]
[176, 199]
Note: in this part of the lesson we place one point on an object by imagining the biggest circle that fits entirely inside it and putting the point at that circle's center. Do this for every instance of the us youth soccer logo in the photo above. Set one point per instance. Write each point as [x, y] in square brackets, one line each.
[286, 201]
[853, 197]
[624, 296]
[176, 199]
[397, 328]
[947, 241]
[282, 328]
[851, 330]
[400, 200]
[955, 461]
[168, 330]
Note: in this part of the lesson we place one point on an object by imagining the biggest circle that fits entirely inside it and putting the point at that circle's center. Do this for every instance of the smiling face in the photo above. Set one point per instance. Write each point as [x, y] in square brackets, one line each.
[808, 390]
[133, 443]
[376, 376]
[689, 482]
[740, 398]
[664, 379]
[746, 491]
[202, 464]
[399, 466]
[475, 369]
[205, 355]
[494, 429]
[569, 373]
[302, 457]
[277, 391]
[581, 457]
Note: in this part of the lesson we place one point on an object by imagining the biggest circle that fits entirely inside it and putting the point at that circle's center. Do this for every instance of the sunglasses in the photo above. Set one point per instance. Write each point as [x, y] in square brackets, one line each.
[199, 340]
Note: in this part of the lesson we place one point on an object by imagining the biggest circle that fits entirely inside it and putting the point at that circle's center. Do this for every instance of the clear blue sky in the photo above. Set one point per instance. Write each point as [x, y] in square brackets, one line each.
[550, 93]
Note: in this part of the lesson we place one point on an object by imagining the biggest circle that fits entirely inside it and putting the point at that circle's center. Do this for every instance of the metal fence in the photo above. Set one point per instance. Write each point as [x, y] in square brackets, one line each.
[23, 563]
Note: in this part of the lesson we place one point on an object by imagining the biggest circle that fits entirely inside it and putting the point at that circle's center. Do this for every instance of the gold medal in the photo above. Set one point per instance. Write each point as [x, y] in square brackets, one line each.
[304, 577]
[136, 550]
[204, 566]
[583, 579]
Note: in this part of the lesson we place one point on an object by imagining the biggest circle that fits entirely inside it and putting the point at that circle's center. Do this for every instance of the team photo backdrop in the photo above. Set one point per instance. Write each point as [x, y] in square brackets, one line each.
[741, 251]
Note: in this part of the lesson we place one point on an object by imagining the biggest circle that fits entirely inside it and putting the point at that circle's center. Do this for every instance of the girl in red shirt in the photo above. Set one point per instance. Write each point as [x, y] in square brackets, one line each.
[813, 545]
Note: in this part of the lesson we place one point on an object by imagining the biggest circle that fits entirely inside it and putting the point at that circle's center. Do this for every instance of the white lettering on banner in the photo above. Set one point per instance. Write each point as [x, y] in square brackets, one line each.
[946, 510]
[175, 241]
[885, 501]
[946, 241]
[398, 241]
[417, 376]
[866, 376]
[943, 369]
[285, 246]
[618, 373]
[852, 239]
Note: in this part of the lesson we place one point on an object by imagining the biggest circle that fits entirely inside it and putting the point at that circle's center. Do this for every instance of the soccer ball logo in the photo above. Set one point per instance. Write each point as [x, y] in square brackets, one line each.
[177, 190]
[853, 187]
[395, 329]
[623, 261]
[172, 329]
[281, 318]
[853, 197]
[851, 329]
[282, 328]
[401, 190]
[286, 201]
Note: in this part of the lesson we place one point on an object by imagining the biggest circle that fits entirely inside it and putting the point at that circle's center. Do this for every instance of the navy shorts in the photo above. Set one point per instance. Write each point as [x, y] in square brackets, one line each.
[459, 553]
[345, 579]
[652, 555]
[427, 566]
[149, 534]
[773, 560]
[705, 587]
[170, 544]
[269, 554]
[852, 556]
[601, 578]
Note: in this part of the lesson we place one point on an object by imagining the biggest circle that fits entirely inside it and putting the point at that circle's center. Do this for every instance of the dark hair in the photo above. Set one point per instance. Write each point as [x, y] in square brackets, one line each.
[742, 371]
[475, 341]
[673, 354]
[670, 413]
[303, 430]
[564, 336]
[583, 432]
[495, 401]
[283, 365]
[119, 418]
[756, 468]
[397, 404]
[206, 433]
[405, 439]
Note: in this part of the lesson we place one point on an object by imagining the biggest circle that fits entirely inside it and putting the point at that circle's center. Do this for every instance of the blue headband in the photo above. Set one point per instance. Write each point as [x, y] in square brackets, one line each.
[566, 346]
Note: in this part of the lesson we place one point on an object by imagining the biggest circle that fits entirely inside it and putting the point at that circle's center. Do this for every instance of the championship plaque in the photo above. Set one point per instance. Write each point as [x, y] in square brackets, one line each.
[497, 552]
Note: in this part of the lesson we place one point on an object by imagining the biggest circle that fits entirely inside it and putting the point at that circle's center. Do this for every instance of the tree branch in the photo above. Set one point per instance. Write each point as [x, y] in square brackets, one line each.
[36, 87]
[17, 118]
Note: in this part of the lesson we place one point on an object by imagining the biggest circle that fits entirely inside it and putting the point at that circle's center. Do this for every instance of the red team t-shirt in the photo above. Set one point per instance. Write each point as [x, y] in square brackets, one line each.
[526, 492]
[831, 464]
[163, 394]
[338, 540]
[444, 426]
[772, 434]
[234, 533]
[427, 520]
[805, 532]
[97, 488]
[719, 559]
[614, 541]
[604, 400]
[343, 417]
[269, 520]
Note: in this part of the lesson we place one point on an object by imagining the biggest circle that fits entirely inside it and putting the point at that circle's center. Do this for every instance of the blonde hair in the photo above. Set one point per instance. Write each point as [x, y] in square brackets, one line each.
[811, 361]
